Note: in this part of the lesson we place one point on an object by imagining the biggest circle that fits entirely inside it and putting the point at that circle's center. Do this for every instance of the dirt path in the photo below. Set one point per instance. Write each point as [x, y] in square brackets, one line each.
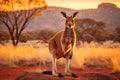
[35, 73]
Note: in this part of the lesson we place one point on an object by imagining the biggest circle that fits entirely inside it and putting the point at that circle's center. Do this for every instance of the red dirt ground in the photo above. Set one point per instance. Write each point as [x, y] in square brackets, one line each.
[35, 73]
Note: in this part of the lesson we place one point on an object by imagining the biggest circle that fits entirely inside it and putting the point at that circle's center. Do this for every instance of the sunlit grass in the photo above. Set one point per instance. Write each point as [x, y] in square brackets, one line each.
[23, 53]
[86, 55]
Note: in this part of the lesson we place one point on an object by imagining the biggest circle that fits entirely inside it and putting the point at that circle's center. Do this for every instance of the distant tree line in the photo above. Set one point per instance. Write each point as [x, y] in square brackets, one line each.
[87, 30]
[43, 34]
[91, 30]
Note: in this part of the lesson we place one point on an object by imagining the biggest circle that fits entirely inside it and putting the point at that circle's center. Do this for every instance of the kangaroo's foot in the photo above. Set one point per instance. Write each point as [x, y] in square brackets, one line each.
[57, 75]
[68, 74]
[71, 74]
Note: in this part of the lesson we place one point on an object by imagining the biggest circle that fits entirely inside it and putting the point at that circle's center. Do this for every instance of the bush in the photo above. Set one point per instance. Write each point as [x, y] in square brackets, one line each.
[89, 30]
[45, 34]
[25, 37]
[4, 36]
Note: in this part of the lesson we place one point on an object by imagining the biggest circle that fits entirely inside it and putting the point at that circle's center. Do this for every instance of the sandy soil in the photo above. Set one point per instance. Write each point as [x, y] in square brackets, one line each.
[35, 73]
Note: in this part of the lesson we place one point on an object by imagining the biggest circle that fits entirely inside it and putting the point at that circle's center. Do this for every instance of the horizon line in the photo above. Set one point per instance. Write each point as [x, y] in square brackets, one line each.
[69, 6]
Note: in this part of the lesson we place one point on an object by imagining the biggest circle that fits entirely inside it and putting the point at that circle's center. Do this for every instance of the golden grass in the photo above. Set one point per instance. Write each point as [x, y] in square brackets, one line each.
[86, 55]
[8, 55]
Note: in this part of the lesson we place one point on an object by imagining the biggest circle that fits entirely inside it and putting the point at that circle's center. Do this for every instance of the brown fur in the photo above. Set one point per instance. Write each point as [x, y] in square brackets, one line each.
[55, 42]
[55, 45]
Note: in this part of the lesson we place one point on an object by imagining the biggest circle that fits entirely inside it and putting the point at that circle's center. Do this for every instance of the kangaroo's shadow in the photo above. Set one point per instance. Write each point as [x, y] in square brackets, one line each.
[45, 75]
[32, 76]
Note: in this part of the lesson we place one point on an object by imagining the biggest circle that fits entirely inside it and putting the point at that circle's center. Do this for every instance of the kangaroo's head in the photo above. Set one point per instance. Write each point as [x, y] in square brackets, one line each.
[70, 23]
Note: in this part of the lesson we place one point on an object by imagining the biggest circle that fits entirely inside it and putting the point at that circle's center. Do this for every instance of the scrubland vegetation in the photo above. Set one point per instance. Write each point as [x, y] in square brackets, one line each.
[32, 53]
[95, 47]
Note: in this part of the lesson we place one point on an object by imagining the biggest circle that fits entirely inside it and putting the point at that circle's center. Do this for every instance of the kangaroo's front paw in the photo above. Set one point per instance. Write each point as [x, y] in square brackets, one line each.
[64, 55]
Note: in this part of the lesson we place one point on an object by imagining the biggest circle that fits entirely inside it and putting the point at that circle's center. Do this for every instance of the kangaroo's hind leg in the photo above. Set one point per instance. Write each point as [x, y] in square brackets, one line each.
[52, 50]
[54, 67]
[67, 66]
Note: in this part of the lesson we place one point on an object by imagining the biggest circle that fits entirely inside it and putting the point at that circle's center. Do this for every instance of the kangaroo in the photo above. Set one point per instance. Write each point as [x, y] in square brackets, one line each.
[62, 44]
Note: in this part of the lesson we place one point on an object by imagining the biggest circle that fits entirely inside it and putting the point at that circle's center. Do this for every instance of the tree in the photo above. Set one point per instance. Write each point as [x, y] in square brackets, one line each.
[89, 29]
[16, 14]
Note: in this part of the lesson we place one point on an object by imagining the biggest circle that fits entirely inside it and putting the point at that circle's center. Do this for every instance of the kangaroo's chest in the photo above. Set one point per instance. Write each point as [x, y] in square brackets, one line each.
[68, 37]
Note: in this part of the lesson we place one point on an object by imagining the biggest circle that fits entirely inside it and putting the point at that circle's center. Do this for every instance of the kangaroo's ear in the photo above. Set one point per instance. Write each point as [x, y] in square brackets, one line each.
[75, 14]
[64, 14]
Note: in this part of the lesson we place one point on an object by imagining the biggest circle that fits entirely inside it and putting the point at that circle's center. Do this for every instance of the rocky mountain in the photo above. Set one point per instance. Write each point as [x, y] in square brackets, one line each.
[52, 18]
